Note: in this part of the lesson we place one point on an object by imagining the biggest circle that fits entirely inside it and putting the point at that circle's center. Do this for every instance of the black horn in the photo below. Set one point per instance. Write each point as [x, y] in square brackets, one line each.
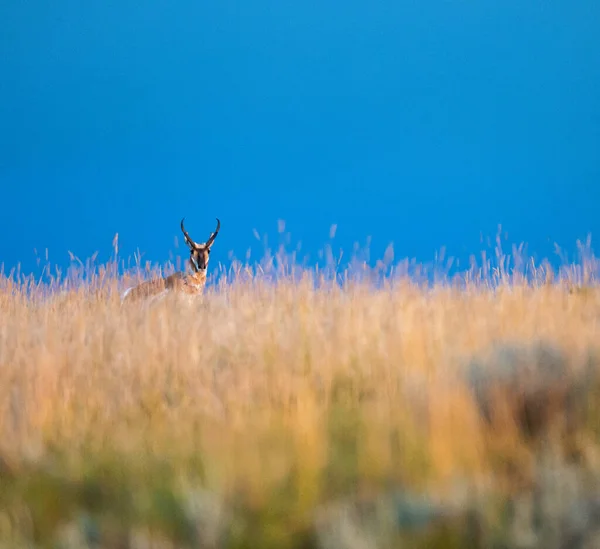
[188, 240]
[212, 237]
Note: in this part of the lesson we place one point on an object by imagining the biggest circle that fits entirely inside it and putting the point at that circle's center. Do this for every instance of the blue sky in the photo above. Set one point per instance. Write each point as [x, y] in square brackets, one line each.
[422, 123]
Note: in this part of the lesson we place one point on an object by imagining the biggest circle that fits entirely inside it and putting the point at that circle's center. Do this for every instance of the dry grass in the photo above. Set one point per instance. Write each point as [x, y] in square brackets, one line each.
[288, 390]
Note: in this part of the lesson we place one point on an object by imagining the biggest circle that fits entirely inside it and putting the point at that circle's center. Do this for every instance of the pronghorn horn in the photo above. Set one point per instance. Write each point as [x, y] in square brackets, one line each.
[188, 240]
[214, 235]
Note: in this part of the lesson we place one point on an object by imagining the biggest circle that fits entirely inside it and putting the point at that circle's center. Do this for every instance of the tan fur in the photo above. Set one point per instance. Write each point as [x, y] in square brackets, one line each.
[185, 284]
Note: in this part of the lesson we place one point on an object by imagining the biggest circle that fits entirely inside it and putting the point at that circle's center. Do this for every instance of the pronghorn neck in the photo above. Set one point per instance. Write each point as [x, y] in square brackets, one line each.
[197, 278]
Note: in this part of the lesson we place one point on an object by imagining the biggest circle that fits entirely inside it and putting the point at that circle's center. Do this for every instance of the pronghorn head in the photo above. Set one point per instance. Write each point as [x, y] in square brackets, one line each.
[200, 251]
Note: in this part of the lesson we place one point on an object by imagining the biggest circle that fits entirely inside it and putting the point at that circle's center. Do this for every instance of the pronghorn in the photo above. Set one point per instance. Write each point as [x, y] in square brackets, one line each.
[180, 283]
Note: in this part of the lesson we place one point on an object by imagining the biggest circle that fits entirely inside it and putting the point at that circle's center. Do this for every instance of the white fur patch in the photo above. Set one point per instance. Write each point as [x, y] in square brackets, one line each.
[126, 293]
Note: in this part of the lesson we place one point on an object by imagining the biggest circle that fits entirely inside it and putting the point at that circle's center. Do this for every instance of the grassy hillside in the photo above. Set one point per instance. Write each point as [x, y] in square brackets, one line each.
[293, 414]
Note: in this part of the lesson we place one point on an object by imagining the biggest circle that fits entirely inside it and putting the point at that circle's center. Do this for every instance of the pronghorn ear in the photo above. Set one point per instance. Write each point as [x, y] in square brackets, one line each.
[186, 237]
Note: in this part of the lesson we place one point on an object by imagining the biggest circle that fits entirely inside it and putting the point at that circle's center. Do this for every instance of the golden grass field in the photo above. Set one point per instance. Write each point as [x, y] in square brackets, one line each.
[269, 401]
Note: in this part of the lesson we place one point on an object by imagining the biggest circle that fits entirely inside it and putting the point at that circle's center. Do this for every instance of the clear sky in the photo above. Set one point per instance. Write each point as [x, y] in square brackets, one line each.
[423, 123]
